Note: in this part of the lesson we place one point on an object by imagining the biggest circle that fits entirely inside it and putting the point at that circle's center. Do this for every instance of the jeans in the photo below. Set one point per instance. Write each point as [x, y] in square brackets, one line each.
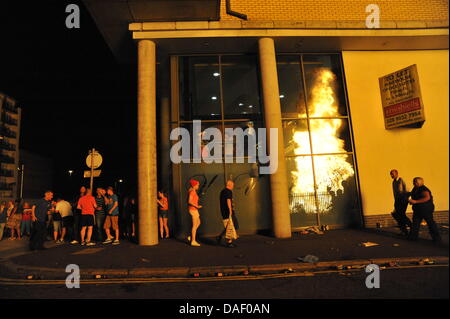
[400, 215]
[38, 235]
[99, 222]
[426, 214]
[2, 227]
[25, 227]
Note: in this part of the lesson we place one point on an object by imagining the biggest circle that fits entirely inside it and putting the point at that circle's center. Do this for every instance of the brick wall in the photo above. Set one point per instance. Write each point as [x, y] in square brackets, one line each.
[337, 10]
[386, 220]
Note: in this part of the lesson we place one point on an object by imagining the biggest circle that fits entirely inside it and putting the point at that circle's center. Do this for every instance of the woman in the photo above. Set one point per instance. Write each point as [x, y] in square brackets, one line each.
[25, 227]
[193, 208]
[3, 217]
[423, 207]
[163, 214]
[14, 219]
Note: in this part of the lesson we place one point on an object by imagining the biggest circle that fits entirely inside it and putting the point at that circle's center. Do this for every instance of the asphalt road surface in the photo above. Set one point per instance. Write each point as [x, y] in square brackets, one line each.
[405, 283]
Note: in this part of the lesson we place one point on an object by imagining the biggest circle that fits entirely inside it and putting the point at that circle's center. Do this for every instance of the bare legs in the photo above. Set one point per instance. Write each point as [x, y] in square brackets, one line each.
[163, 227]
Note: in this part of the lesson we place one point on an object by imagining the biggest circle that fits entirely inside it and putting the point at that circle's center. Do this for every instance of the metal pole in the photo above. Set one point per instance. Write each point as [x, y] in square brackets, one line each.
[22, 170]
[92, 170]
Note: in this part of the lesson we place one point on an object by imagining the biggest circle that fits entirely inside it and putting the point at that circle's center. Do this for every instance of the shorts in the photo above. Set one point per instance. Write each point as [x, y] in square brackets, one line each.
[163, 213]
[111, 221]
[87, 220]
[194, 213]
[56, 226]
[67, 221]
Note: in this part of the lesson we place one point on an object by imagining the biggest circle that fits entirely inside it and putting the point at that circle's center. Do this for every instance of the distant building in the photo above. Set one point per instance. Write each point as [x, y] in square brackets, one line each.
[9, 146]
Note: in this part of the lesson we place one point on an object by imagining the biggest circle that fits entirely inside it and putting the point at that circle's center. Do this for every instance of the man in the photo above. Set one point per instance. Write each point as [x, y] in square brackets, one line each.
[77, 217]
[39, 213]
[226, 208]
[400, 202]
[423, 208]
[65, 210]
[112, 217]
[87, 206]
[100, 216]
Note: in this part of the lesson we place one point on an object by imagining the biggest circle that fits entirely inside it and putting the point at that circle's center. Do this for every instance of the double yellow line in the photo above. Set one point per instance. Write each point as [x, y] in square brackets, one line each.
[26, 282]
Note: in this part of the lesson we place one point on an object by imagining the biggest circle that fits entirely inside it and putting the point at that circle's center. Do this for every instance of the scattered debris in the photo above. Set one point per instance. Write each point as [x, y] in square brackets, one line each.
[423, 223]
[339, 267]
[392, 264]
[309, 259]
[396, 245]
[98, 276]
[196, 274]
[269, 242]
[145, 260]
[369, 244]
[245, 273]
[219, 274]
[29, 277]
[426, 261]
[313, 230]
[289, 271]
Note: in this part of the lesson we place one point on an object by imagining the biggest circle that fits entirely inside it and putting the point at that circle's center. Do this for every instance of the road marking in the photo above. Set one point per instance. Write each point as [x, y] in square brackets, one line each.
[25, 282]
[88, 251]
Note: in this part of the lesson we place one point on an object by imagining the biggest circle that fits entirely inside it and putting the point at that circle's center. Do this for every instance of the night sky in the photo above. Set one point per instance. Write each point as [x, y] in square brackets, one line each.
[73, 93]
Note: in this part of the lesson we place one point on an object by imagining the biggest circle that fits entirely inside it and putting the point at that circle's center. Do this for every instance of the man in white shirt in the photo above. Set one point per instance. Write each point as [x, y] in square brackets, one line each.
[65, 209]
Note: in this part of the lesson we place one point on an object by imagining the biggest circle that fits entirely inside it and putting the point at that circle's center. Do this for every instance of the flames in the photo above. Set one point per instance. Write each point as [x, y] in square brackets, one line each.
[330, 170]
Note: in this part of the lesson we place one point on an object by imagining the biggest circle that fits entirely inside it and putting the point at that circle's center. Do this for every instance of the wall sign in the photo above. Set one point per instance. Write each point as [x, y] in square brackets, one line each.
[401, 98]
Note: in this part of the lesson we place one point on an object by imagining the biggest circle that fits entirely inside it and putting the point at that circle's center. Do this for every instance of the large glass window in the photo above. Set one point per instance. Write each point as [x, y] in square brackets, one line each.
[317, 136]
[223, 92]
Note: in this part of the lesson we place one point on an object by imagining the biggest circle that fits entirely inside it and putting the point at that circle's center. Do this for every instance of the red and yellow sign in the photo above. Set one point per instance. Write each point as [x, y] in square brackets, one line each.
[401, 98]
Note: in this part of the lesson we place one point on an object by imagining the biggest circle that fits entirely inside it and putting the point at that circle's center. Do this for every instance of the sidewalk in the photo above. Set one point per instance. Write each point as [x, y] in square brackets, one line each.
[254, 254]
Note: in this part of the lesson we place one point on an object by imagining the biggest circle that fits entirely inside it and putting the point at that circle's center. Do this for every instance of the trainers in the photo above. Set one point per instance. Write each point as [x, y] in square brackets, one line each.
[116, 242]
[108, 241]
[90, 243]
[231, 245]
[83, 243]
[73, 242]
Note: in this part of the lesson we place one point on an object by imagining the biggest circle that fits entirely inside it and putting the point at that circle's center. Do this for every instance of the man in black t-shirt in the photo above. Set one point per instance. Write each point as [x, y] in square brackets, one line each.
[226, 209]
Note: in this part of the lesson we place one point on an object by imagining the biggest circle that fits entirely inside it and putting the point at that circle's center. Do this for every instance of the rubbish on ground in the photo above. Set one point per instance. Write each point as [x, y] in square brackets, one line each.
[196, 274]
[426, 261]
[98, 276]
[312, 230]
[145, 260]
[424, 223]
[396, 245]
[30, 277]
[245, 272]
[270, 242]
[219, 274]
[339, 267]
[392, 264]
[288, 271]
[309, 259]
[369, 244]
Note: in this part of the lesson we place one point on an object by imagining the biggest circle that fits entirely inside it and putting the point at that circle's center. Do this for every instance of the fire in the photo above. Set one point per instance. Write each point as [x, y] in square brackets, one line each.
[330, 170]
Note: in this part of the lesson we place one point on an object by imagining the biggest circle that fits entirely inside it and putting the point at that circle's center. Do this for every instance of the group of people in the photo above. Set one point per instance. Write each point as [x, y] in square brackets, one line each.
[71, 222]
[421, 200]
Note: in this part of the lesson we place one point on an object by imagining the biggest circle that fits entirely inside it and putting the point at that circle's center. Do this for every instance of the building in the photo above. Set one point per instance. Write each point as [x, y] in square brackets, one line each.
[9, 147]
[38, 173]
[312, 70]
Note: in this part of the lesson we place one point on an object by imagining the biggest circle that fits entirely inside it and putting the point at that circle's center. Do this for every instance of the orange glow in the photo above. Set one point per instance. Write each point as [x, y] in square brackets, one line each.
[330, 171]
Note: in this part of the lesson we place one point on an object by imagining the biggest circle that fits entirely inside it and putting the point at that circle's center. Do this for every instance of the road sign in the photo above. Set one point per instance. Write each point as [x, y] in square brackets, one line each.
[97, 173]
[95, 159]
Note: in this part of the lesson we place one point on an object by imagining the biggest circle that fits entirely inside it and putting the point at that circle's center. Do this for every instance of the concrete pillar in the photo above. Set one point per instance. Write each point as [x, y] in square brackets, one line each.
[147, 179]
[272, 114]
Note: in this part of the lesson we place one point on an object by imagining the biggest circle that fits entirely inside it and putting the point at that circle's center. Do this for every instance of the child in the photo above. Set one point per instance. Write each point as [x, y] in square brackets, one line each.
[163, 214]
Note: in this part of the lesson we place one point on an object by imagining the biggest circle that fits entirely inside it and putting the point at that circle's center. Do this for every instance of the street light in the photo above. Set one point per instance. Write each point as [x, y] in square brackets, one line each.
[70, 172]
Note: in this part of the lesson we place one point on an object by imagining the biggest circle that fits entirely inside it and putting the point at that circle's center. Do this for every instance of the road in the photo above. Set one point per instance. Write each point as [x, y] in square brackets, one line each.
[405, 283]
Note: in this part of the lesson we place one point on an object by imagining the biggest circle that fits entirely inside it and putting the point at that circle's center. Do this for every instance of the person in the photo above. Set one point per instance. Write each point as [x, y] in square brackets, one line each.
[401, 196]
[163, 214]
[3, 217]
[131, 217]
[56, 221]
[25, 226]
[112, 217]
[65, 210]
[423, 208]
[228, 214]
[193, 208]
[39, 216]
[100, 216]
[87, 205]
[77, 217]
[14, 219]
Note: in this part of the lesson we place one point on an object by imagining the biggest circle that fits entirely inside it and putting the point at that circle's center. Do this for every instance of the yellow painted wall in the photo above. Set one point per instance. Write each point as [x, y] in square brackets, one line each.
[337, 10]
[414, 152]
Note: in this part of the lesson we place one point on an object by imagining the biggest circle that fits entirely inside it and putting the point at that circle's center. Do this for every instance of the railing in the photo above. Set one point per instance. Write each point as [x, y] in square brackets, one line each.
[5, 145]
[7, 159]
[4, 131]
[307, 203]
[8, 119]
[6, 173]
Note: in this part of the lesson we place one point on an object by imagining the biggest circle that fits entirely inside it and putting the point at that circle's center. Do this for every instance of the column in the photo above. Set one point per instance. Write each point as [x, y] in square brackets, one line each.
[272, 115]
[147, 179]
